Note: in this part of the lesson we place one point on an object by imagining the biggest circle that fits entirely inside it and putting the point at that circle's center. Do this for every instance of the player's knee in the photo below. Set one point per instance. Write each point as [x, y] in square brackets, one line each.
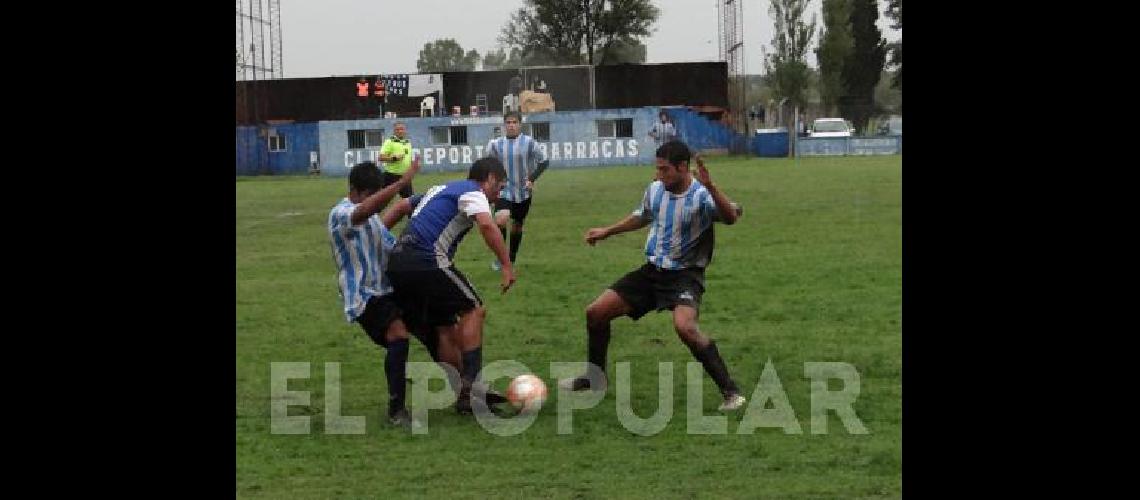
[396, 334]
[688, 331]
[596, 315]
[479, 313]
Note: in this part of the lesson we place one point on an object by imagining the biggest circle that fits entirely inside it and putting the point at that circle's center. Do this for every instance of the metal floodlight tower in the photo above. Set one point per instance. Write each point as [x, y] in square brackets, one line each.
[254, 19]
[730, 29]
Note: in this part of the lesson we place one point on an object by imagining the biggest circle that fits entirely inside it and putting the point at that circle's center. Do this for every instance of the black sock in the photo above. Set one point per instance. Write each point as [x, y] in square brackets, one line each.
[472, 362]
[596, 350]
[516, 240]
[395, 369]
[503, 231]
[714, 366]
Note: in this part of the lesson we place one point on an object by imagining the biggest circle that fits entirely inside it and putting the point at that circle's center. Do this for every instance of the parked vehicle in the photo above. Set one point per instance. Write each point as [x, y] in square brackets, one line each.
[831, 127]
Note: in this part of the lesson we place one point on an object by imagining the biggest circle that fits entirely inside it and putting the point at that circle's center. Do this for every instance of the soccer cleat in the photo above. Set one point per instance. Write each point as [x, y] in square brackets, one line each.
[463, 402]
[463, 406]
[494, 398]
[732, 402]
[496, 266]
[400, 418]
[575, 384]
[490, 396]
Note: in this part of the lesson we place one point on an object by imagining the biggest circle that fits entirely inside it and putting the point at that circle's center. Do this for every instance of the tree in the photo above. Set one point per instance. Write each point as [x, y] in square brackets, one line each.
[494, 59]
[835, 45]
[445, 55]
[786, 69]
[623, 51]
[894, 12]
[888, 99]
[577, 31]
[864, 66]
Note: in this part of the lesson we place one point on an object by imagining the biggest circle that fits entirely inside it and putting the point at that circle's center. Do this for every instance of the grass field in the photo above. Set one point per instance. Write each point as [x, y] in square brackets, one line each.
[812, 272]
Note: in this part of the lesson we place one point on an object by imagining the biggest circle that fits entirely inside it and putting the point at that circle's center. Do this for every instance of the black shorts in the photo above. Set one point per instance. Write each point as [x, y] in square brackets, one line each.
[433, 297]
[390, 178]
[378, 315]
[650, 288]
[518, 209]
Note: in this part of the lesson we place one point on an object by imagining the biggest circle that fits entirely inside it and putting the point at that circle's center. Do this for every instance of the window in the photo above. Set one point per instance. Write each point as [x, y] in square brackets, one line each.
[459, 135]
[355, 139]
[456, 135]
[276, 143]
[622, 127]
[540, 131]
[440, 135]
[497, 132]
[361, 139]
[373, 138]
[605, 128]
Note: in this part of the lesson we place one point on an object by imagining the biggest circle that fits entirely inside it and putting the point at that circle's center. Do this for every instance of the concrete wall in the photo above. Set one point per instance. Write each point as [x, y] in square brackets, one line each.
[254, 157]
[574, 140]
[838, 146]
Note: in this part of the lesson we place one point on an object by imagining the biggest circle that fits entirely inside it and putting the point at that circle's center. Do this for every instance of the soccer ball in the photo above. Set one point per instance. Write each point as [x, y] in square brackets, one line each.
[527, 393]
[502, 217]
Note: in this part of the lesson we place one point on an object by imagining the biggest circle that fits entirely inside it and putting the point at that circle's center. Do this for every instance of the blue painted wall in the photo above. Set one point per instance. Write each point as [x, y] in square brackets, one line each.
[701, 133]
[254, 157]
[574, 140]
[824, 146]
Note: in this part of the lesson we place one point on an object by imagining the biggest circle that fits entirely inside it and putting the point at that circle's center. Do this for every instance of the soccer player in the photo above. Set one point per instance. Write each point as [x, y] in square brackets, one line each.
[360, 244]
[524, 162]
[680, 211]
[396, 153]
[430, 290]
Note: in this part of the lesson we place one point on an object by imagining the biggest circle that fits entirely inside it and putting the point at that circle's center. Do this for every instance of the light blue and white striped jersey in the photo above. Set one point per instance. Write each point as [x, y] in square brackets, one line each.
[520, 156]
[680, 230]
[361, 255]
[663, 132]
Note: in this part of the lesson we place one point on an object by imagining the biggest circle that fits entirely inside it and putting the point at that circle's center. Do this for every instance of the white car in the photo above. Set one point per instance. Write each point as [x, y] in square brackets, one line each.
[830, 127]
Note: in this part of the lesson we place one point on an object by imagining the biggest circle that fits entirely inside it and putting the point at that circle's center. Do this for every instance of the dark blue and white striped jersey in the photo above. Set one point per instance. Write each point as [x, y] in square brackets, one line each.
[441, 216]
[680, 226]
[360, 253]
[520, 156]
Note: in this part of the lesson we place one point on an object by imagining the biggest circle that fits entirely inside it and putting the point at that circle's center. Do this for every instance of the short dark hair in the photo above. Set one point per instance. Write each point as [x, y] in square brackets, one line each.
[486, 166]
[516, 114]
[674, 152]
[365, 177]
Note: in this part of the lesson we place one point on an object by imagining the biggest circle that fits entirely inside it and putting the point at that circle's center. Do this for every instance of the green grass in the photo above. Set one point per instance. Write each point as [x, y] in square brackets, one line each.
[812, 272]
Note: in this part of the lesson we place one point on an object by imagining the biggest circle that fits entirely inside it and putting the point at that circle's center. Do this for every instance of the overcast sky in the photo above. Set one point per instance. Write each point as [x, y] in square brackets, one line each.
[351, 37]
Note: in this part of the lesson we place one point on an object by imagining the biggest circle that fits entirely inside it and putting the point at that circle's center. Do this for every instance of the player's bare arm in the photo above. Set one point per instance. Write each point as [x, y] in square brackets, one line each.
[494, 241]
[396, 212]
[727, 210]
[630, 223]
[378, 200]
